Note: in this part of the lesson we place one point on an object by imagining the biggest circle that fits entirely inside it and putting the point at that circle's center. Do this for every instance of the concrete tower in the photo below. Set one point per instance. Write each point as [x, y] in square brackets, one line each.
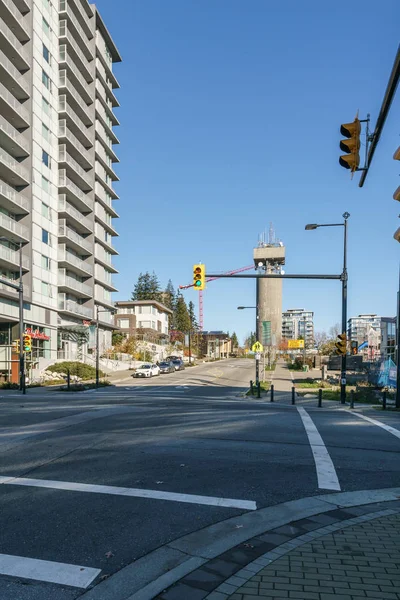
[269, 257]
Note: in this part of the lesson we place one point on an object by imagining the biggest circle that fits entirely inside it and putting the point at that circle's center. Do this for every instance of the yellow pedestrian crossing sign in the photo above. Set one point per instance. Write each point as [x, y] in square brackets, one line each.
[257, 347]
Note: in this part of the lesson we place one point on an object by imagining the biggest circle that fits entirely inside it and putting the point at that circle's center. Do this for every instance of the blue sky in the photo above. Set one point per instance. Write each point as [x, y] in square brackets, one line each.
[230, 115]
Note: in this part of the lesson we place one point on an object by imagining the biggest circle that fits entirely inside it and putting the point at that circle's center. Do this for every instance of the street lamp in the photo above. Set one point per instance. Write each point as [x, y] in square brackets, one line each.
[97, 340]
[344, 279]
[257, 318]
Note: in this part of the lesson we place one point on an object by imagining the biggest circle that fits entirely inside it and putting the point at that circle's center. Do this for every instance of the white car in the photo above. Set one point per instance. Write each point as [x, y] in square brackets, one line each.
[147, 370]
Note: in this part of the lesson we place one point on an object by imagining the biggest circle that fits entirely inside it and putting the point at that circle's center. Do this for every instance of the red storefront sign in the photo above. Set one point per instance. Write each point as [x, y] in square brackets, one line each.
[36, 334]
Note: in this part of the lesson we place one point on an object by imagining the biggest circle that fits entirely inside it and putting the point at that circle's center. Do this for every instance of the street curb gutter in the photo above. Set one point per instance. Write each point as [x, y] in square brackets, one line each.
[152, 574]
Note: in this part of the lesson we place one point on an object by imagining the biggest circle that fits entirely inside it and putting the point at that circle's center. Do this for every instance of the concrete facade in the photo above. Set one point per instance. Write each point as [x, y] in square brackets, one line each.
[56, 171]
[297, 322]
[270, 258]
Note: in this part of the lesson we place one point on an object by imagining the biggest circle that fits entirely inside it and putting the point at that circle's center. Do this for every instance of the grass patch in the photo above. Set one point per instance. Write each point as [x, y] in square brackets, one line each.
[264, 385]
[270, 367]
[311, 383]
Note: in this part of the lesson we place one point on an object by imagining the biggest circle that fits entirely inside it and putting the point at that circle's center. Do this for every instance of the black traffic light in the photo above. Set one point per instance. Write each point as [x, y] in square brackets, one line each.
[351, 146]
[199, 277]
[341, 344]
[354, 347]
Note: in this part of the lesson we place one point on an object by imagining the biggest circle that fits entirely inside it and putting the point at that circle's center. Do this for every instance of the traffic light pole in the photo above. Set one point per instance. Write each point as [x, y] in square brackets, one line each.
[22, 386]
[398, 349]
[257, 329]
[344, 315]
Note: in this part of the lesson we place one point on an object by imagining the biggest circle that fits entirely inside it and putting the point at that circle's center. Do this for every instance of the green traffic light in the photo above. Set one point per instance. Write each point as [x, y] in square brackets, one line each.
[197, 283]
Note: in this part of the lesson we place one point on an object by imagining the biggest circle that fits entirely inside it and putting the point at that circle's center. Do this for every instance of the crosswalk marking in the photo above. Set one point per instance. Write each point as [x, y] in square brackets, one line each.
[132, 492]
[44, 570]
[326, 474]
[388, 428]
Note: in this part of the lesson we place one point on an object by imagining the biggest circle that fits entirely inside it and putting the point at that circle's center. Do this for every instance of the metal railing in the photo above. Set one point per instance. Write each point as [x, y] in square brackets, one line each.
[64, 206]
[63, 5]
[8, 65]
[13, 257]
[14, 227]
[63, 131]
[78, 286]
[64, 256]
[82, 34]
[74, 307]
[18, 16]
[14, 165]
[87, 66]
[65, 231]
[66, 82]
[64, 156]
[64, 181]
[14, 41]
[13, 102]
[14, 134]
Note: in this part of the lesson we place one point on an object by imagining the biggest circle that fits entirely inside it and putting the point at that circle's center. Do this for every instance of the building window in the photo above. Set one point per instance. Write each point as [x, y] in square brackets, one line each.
[46, 54]
[45, 289]
[47, 4]
[46, 80]
[45, 184]
[46, 263]
[45, 237]
[46, 211]
[45, 26]
[123, 323]
[46, 159]
[45, 106]
[45, 132]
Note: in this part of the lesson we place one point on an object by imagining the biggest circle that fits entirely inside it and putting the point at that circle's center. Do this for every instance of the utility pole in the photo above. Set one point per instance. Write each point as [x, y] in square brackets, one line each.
[344, 312]
[398, 348]
[257, 328]
[97, 347]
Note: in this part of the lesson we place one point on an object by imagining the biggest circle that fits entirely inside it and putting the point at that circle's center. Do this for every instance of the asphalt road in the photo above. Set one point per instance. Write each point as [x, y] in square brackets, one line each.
[91, 482]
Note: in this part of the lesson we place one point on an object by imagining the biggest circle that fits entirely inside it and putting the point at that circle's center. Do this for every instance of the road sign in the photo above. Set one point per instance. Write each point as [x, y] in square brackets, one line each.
[258, 356]
[295, 344]
[266, 333]
[257, 347]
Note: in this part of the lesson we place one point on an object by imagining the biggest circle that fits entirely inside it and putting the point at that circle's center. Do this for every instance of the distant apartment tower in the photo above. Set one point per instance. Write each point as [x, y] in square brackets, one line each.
[378, 334]
[298, 323]
[56, 170]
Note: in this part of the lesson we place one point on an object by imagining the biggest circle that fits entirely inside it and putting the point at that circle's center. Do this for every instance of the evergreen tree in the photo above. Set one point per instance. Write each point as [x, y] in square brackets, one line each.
[192, 316]
[181, 315]
[235, 341]
[169, 295]
[147, 287]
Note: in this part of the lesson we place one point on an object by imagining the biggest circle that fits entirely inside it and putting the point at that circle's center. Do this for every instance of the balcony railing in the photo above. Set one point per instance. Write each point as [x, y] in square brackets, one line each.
[84, 86]
[21, 113]
[86, 66]
[71, 306]
[70, 234]
[15, 43]
[16, 75]
[65, 83]
[82, 265]
[86, 156]
[63, 156]
[14, 227]
[65, 207]
[82, 38]
[14, 166]
[11, 256]
[64, 181]
[13, 134]
[70, 282]
[81, 131]
[16, 198]
[84, 21]
[22, 25]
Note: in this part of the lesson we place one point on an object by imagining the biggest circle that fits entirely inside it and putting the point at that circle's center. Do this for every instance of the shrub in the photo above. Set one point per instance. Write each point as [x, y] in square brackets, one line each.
[82, 387]
[7, 385]
[82, 370]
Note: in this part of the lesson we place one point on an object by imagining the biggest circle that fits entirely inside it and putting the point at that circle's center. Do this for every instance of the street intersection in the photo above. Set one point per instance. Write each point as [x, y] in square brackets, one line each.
[91, 483]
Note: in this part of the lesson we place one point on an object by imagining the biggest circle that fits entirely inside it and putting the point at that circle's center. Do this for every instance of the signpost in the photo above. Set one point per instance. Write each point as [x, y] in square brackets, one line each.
[257, 347]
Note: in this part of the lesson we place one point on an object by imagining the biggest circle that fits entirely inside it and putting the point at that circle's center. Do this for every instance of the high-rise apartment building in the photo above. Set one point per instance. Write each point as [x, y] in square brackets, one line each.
[56, 171]
[298, 323]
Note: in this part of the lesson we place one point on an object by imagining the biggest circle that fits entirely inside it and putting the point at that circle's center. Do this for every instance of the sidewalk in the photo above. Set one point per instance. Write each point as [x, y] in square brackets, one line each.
[347, 553]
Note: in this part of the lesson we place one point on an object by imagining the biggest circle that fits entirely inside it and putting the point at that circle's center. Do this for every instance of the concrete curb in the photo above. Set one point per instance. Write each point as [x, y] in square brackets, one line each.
[152, 574]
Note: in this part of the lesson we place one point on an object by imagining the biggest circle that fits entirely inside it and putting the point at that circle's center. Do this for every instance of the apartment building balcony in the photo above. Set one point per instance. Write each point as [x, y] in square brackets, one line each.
[81, 14]
[70, 285]
[107, 283]
[103, 258]
[100, 195]
[16, 202]
[74, 170]
[12, 47]
[74, 123]
[105, 89]
[24, 6]
[80, 36]
[75, 149]
[104, 127]
[9, 292]
[106, 185]
[86, 66]
[105, 161]
[85, 89]
[13, 230]
[105, 69]
[101, 217]
[12, 78]
[99, 238]
[13, 110]
[16, 143]
[13, 171]
[106, 105]
[10, 259]
[72, 239]
[83, 225]
[74, 193]
[73, 263]
[17, 22]
[67, 86]
[101, 298]
[71, 307]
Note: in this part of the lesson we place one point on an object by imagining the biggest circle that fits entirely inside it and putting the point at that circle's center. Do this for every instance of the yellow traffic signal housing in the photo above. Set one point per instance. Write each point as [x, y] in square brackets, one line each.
[16, 346]
[199, 277]
[351, 146]
[27, 343]
[341, 344]
[396, 156]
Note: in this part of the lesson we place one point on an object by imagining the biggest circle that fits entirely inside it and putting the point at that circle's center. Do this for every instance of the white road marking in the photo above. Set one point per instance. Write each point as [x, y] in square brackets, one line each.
[132, 492]
[326, 474]
[388, 428]
[44, 570]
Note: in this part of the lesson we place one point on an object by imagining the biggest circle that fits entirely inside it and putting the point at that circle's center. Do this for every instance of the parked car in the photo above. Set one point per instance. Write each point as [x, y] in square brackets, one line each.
[167, 367]
[147, 370]
[178, 364]
[173, 357]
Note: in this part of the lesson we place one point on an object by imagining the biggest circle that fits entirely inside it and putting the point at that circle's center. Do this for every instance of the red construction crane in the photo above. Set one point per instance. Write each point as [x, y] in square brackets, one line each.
[185, 287]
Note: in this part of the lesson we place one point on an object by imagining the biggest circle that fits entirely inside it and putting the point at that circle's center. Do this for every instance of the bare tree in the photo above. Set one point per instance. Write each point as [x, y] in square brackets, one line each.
[335, 330]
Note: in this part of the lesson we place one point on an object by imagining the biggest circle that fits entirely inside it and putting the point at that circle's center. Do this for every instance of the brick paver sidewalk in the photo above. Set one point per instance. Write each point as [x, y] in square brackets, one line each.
[362, 561]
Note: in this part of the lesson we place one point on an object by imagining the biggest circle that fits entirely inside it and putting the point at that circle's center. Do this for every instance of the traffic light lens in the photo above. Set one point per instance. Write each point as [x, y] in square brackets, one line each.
[198, 283]
[197, 271]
